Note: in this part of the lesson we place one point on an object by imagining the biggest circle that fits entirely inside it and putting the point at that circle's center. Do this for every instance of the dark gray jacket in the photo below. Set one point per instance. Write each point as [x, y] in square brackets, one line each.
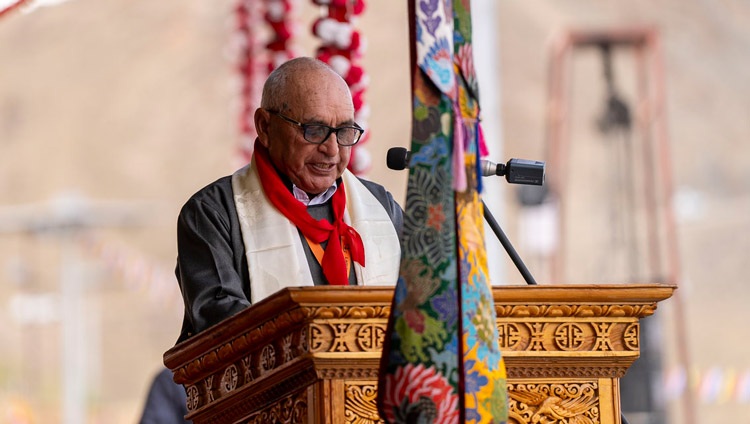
[211, 263]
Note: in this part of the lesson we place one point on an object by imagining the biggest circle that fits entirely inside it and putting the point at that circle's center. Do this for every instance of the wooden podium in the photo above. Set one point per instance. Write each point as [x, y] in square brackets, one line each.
[311, 355]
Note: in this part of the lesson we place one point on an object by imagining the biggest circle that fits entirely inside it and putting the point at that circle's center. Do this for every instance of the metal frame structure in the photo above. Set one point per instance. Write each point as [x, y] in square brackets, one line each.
[663, 254]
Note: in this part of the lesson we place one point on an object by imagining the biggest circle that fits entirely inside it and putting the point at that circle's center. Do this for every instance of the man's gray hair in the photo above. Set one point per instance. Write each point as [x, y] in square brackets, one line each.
[274, 96]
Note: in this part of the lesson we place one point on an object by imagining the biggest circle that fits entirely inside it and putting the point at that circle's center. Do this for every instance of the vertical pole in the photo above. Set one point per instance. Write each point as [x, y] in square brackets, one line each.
[646, 122]
[673, 257]
[486, 51]
[63, 220]
[557, 145]
[74, 371]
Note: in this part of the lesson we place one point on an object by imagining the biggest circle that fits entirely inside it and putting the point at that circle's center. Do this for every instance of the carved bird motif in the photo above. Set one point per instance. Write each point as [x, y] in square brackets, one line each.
[361, 407]
[554, 409]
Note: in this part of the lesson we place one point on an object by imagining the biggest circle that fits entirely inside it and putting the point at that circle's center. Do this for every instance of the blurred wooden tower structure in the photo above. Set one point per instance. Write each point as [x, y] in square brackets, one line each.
[643, 210]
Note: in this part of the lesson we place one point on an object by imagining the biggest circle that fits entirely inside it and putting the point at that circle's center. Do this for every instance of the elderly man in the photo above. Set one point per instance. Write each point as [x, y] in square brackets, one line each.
[295, 216]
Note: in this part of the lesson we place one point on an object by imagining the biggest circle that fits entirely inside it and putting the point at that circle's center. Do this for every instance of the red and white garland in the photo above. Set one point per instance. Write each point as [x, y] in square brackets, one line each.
[255, 62]
[341, 47]
[246, 14]
[277, 17]
[10, 7]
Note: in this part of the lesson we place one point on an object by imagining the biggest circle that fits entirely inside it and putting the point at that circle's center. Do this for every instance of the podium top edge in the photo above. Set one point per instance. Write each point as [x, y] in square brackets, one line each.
[613, 292]
[291, 299]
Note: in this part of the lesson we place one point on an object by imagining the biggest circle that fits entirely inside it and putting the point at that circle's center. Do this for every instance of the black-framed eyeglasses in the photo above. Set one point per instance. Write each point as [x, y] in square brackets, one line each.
[348, 135]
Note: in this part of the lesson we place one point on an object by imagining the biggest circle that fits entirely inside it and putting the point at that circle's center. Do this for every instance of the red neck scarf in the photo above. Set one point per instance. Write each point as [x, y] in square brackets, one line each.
[333, 263]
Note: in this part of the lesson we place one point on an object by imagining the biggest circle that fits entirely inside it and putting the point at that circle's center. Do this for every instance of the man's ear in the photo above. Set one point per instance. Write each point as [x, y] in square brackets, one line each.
[261, 119]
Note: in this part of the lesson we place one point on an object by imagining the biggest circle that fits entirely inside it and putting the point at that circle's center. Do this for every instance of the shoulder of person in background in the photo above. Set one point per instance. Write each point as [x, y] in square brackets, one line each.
[166, 402]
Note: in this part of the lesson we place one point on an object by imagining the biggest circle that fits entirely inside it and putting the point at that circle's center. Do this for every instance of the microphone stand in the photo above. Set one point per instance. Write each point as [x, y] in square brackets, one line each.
[508, 247]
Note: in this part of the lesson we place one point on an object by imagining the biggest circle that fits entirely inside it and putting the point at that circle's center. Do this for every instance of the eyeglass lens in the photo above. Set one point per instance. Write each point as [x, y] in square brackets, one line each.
[319, 133]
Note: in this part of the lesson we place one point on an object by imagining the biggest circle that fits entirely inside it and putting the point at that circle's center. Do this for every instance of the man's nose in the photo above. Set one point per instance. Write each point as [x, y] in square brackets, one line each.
[331, 145]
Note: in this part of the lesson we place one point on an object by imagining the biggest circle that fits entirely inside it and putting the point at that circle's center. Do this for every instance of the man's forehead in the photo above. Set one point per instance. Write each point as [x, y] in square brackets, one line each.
[313, 79]
[315, 92]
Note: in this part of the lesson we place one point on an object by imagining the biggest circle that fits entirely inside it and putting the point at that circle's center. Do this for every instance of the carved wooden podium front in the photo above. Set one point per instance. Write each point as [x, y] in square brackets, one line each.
[311, 355]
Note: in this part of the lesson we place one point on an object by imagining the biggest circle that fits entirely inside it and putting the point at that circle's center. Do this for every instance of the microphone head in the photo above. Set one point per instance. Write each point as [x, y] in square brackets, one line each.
[397, 158]
[488, 168]
[523, 171]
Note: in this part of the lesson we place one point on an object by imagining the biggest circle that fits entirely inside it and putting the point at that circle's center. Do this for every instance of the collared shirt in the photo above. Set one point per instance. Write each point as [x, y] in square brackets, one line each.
[321, 198]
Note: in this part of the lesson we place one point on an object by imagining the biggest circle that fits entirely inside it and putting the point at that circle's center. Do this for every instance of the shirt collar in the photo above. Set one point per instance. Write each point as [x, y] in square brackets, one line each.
[303, 197]
[319, 199]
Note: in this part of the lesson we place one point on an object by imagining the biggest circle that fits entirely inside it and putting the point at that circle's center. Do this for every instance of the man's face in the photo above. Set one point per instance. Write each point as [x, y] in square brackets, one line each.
[317, 98]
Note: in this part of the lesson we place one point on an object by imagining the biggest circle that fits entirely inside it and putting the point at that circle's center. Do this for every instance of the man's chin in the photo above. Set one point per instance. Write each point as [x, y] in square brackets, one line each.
[316, 188]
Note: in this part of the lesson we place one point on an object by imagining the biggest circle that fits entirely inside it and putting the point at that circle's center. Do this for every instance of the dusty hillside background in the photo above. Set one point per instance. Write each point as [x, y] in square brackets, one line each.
[132, 105]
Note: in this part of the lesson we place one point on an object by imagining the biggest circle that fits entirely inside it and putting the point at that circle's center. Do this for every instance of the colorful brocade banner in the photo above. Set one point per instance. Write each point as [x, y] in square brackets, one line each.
[441, 361]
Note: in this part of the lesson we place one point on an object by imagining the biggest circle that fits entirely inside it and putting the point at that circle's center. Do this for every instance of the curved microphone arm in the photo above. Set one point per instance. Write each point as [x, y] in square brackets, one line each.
[508, 246]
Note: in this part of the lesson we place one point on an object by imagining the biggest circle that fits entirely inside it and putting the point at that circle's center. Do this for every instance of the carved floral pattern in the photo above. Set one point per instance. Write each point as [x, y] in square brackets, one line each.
[290, 410]
[356, 312]
[543, 311]
[564, 403]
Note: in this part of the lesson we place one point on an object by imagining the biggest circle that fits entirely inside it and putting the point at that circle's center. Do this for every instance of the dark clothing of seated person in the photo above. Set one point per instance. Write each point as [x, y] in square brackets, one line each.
[166, 402]
[294, 216]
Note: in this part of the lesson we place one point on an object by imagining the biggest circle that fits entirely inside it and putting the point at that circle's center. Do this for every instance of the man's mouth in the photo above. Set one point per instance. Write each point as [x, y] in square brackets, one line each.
[323, 167]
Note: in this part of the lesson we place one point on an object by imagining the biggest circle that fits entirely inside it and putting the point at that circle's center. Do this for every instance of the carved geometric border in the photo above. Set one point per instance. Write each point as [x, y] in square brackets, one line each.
[205, 392]
[568, 336]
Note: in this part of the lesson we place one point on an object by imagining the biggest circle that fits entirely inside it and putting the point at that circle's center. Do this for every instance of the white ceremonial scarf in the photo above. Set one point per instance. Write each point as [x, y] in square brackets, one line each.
[275, 256]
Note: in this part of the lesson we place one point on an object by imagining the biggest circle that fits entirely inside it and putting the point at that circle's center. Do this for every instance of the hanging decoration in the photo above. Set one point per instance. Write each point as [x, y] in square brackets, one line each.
[277, 16]
[255, 60]
[342, 47]
[441, 359]
[246, 14]
[8, 6]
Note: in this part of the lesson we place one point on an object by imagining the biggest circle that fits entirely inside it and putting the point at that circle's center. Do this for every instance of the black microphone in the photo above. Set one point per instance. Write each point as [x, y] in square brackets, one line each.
[397, 158]
[516, 171]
